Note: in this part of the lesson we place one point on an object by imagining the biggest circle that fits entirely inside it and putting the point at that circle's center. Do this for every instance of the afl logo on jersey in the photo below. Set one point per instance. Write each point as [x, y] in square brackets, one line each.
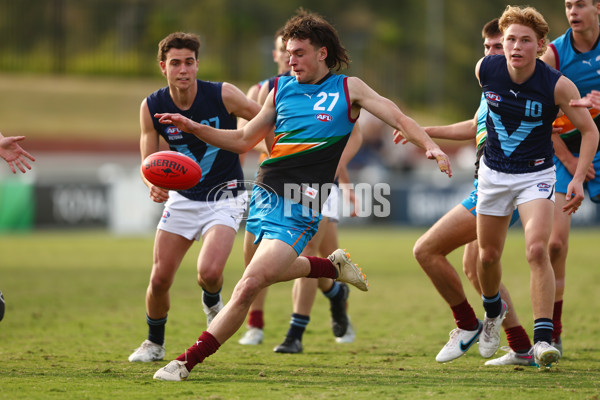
[173, 133]
[324, 117]
[491, 96]
[173, 130]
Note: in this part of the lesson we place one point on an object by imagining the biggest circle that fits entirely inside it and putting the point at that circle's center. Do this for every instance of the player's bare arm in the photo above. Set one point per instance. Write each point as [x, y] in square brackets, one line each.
[564, 92]
[237, 103]
[235, 140]
[464, 130]
[149, 144]
[362, 96]
[592, 99]
[266, 144]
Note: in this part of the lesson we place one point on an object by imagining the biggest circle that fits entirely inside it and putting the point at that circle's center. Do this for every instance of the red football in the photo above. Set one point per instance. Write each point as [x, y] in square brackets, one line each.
[171, 170]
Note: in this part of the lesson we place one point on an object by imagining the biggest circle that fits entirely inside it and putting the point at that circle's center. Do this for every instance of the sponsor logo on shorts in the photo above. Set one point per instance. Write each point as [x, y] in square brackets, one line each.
[166, 214]
[310, 191]
[544, 187]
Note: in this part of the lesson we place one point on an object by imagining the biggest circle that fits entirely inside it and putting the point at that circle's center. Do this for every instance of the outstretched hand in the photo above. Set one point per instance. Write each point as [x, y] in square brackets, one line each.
[442, 159]
[14, 154]
[592, 99]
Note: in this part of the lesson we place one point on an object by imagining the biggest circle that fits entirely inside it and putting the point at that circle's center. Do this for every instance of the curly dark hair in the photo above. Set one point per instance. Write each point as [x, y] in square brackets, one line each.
[178, 40]
[320, 33]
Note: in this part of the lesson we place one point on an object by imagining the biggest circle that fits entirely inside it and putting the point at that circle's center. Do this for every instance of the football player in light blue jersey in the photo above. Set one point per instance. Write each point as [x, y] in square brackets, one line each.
[325, 242]
[576, 54]
[287, 222]
[517, 170]
[458, 227]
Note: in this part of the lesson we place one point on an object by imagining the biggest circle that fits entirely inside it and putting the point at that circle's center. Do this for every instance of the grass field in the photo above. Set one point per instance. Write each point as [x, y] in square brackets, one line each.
[75, 311]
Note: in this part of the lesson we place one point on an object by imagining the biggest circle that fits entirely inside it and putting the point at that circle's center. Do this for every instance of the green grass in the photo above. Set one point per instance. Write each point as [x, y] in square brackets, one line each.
[75, 310]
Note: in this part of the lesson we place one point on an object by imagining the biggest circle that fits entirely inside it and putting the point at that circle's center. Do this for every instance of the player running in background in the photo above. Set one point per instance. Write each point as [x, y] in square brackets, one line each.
[576, 55]
[517, 169]
[314, 106]
[458, 227]
[190, 214]
[16, 158]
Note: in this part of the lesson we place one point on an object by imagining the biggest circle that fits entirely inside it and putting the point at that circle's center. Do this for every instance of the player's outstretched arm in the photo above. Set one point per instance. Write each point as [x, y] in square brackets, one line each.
[464, 130]
[14, 154]
[363, 96]
[235, 140]
[592, 99]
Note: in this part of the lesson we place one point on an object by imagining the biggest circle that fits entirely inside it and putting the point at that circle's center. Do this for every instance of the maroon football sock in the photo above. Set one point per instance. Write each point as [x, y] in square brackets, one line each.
[255, 319]
[464, 316]
[518, 340]
[556, 320]
[204, 347]
[321, 268]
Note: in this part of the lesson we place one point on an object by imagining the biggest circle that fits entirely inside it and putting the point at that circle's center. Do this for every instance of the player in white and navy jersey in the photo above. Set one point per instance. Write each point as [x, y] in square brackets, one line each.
[211, 210]
[458, 227]
[517, 169]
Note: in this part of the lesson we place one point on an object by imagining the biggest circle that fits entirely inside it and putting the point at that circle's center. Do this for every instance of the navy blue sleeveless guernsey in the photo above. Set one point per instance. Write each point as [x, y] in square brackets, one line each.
[221, 169]
[520, 116]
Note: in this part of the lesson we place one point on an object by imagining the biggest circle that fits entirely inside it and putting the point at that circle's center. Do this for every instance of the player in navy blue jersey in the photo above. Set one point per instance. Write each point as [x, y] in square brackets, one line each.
[211, 210]
[517, 170]
[313, 114]
[459, 227]
[576, 55]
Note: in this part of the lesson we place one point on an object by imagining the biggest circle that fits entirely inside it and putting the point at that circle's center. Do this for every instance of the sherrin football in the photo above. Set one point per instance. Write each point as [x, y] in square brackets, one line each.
[171, 170]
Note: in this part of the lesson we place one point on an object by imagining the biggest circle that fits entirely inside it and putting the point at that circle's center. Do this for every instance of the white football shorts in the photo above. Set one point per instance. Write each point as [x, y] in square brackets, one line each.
[500, 193]
[192, 219]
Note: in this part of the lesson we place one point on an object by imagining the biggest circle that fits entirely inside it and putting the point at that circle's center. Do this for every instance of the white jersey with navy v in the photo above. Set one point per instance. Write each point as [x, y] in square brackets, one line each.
[520, 116]
[221, 169]
[311, 130]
